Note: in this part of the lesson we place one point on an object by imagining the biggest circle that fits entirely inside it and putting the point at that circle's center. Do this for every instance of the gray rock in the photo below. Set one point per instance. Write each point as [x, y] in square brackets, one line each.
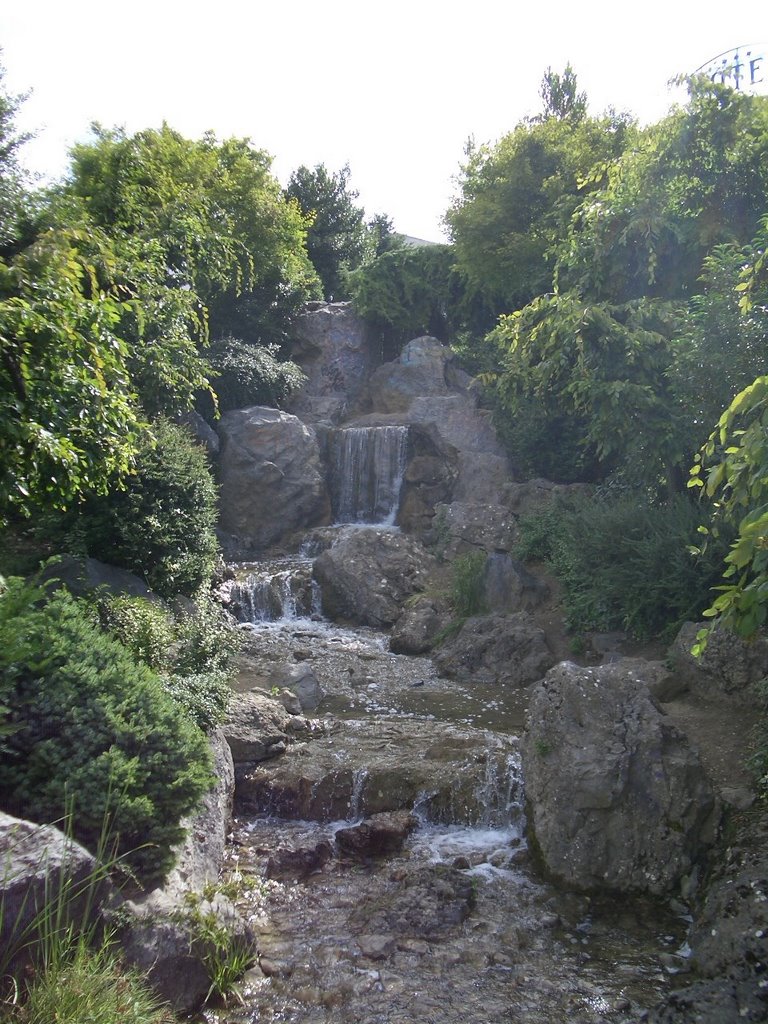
[272, 483]
[377, 836]
[41, 867]
[298, 863]
[472, 526]
[421, 621]
[200, 857]
[728, 667]
[254, 724]
[376, 947]
[367, 767]
[618, 800]
[331, 345]
[302, 682]
[201, 432]
[165, 942]
[368, 574]
[82, 576]
[510, 650]
[419, 370]
[509, 587]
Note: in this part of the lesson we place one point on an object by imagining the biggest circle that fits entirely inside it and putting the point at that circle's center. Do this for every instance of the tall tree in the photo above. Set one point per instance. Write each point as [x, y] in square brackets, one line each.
[516, 200]
[696, 179]
[336, 235]
[560, 96]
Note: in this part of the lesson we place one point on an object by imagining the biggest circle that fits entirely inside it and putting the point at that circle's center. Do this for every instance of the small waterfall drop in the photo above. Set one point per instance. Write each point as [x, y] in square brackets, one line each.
[367, 470]
[275, 591]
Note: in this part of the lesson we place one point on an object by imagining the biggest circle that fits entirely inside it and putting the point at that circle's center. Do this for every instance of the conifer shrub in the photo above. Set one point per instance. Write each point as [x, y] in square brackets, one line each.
[89, 725]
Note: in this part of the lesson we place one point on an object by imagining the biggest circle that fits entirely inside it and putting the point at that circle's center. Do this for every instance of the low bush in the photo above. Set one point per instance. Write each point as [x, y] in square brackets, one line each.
[624, 561]
[245, 374]
[467, 596]
[160, 525]
[193, 653]
[88, 723]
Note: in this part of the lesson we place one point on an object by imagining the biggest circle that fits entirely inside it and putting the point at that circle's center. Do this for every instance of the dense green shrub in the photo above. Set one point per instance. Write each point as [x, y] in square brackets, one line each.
[245, 375]
[161, 525]
[193, 652]
[95, 727]
[624, 561]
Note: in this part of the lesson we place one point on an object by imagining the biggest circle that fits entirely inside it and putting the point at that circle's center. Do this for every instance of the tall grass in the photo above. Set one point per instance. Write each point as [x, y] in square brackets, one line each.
[59, 963]
[625, 562]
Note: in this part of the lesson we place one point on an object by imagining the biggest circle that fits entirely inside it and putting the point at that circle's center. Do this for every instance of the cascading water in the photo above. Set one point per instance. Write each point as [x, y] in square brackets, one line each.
[275, 591]
[366, 473]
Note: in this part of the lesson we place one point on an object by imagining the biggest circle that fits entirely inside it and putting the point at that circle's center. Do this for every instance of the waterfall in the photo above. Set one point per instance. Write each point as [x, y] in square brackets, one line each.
[275, 591]
[367, 469]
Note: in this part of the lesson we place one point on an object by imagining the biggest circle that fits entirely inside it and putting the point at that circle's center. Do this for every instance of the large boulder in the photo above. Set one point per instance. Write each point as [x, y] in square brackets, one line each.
[200, 858]
[271, 478]
[463, 526]
[45, 876]
[618, 800]
[258, 728]
[728, 667]
[508, 650]
[331, 345]
[368, 574]
[419, 370]
[421, 622]
[83, 576]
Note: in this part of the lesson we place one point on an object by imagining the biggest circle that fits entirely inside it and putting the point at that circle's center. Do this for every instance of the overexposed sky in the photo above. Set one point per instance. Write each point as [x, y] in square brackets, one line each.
[392, 88]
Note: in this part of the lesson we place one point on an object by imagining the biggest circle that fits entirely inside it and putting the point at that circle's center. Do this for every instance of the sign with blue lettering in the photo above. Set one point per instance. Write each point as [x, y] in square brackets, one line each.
[744, 68]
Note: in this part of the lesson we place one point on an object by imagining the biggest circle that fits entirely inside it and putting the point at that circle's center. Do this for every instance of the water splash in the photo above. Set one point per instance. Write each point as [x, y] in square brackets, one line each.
[276, 591]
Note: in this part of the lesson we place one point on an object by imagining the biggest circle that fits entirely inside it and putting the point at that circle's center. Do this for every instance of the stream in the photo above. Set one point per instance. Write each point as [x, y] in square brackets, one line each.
[457, 923]
[452, 923]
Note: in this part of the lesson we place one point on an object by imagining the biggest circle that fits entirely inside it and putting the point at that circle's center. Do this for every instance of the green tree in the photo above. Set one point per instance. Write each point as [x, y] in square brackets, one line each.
[517, 198]
[13, 192]
[696, 179]
[560, 97]
[336, 235]
[68, 420]
[600, 371]
[211, 213]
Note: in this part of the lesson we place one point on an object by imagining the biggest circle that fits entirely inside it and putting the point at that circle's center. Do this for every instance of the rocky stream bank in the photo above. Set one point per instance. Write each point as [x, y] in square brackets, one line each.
[425, 820]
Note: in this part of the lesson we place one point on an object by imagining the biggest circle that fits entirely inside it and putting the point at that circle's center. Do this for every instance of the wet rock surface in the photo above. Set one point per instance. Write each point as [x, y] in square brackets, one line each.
[271, 479]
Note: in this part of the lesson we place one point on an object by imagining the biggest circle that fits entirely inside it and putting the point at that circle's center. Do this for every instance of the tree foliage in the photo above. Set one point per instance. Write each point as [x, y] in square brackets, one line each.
[735, 458]
[411, 291]
[69, 420]
[600, 369]
[516, 199]
[336, 237]
[696, 179]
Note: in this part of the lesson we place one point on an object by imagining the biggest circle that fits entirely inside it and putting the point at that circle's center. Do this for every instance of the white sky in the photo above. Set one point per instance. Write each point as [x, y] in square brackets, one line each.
[392, 88]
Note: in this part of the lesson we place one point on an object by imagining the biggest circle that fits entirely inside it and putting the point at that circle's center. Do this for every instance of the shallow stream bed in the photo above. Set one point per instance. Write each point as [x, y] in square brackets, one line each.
[456, 925]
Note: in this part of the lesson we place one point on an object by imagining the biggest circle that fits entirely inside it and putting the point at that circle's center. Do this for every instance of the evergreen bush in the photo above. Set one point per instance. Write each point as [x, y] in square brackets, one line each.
[91, 725]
